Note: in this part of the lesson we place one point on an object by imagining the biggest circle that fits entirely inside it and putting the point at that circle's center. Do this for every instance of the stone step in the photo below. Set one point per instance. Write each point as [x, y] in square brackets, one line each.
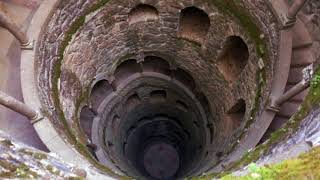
[277, 123]
[86, 119]
[301, 37]
[288, 109]
[99, 93]
[302, 57]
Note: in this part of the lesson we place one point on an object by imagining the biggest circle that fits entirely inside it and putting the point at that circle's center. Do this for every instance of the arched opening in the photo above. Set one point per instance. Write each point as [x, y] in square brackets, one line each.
[185, 78]
[233, 58]
[234, 117]
[161, 110]
[124, 70]
[156, 64]
[86, 119]
[132, 101]
[115, 122]
[142, 13]
[194, 24]
[99, 91]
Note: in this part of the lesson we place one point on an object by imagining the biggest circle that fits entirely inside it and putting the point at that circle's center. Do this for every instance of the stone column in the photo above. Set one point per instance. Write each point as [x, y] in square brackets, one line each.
[18, 107]
[12, 27]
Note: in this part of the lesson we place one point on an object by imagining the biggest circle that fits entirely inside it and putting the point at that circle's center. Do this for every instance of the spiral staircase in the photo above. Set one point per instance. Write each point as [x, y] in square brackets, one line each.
[148, 114]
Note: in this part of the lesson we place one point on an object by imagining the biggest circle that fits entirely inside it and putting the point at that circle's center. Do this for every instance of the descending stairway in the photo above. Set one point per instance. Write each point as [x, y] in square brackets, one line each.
[301, 58]
[21, 11]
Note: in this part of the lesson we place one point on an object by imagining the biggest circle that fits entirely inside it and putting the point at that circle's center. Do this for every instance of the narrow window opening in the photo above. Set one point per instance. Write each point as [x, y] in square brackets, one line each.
[99, 91]
[235, 115]
[132, 102]
[86, 120]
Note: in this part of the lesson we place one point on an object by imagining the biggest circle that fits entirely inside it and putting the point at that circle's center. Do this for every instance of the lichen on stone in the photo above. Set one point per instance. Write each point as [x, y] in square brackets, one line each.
[23, 162]
[311, 102]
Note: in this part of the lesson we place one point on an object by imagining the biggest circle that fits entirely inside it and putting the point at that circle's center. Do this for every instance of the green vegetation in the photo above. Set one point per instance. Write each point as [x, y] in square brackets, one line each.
[35, 154]
[53, 170]
[76, 25]
[16, 171]
[315, 81]
[228, 7]
[40, 156]
[311, 102]
[235, 8]
[306, 166]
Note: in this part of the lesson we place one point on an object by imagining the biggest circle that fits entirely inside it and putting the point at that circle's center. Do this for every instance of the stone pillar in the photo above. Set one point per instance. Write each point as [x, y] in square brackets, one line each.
[18, 107]
[12, 27]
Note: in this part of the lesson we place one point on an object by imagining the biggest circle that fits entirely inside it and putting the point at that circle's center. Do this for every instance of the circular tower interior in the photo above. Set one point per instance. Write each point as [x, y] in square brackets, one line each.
[164, 89]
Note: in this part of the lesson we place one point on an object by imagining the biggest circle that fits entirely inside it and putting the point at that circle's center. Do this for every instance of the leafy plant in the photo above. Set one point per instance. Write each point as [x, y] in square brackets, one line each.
[315, 81]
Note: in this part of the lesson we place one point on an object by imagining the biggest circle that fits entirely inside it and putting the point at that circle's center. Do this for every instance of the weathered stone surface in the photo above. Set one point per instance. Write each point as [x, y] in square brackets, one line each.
[100, 44]
[106, 39]
[311, 18]
[301, 141]
[306, 137]
[20, 161]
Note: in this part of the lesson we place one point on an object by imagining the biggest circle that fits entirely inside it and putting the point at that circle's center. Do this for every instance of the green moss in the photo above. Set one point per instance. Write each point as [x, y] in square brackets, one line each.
[23, 171]
[37, 155]
[238, 12]
[25, 151]
[76, 25]
[53, 170]
[306, 166]
[311, 101]
[83, 98]
[40, 156]
[235, 9]
[57, 72]
[16, 171]
[261, 82]
[231, 8]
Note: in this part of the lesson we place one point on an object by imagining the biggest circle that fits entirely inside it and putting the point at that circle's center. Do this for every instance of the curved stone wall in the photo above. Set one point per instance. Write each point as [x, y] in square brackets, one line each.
[85, 41]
